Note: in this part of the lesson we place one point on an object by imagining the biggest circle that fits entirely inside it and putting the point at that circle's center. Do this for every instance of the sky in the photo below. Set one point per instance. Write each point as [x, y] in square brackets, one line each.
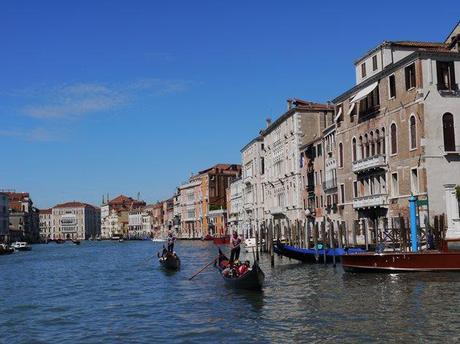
[122, 97]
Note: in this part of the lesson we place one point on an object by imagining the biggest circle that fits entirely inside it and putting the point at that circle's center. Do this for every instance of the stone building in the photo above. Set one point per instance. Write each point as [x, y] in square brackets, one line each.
[75, 220]
[283, 138]
[140, 223]
[168, 214]
[4, 217]
[253, 170]
[397, 130]
[115, 216]
[203, 201]
[46, 224]
[235, 207]
[23, 218]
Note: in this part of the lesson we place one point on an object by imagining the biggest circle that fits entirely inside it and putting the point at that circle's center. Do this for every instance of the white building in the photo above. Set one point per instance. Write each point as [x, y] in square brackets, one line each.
[235, 207]
[139, 224]
[253, 170]
[4, 216]
[46, 224]
[282, 140]
[75, 220]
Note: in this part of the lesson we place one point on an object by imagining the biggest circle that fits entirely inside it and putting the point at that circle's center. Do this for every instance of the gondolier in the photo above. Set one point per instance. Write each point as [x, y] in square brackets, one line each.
[171, 240]
[235, 245]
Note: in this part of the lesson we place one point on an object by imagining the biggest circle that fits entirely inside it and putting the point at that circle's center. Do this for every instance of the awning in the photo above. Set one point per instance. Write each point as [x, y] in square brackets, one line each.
[350, 110]
[364, 92]
[338, 114]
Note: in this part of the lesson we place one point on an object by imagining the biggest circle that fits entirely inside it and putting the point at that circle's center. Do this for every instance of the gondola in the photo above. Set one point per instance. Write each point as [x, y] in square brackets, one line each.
[76, 242]
[170, 261]
[310, 255]
[253, 279]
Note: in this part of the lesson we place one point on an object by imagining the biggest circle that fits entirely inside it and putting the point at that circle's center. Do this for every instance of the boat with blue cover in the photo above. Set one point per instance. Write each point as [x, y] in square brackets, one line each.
[311, 255]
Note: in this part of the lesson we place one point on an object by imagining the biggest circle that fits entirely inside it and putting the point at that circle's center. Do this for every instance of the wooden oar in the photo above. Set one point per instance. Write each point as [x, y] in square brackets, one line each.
[203, 268]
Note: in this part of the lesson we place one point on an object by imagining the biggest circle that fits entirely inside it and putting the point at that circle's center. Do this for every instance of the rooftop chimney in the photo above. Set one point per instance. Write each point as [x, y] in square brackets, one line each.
[289, 104]
[269, 121]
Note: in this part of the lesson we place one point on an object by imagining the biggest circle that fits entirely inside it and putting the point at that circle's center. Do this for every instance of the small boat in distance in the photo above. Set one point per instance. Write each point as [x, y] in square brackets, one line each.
[59, 241]
[208, 238]
[21, 246]
[249, 244]
[76, 242]
[168, 260]
[158, 239]
[246, 277]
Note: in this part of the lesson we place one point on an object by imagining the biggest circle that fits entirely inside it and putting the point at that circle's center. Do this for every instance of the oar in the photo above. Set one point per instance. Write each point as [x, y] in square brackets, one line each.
[203, 268]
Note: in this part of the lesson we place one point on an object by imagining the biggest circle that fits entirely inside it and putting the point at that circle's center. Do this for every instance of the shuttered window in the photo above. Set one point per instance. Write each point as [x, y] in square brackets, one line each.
[394, 139]
[449, 132]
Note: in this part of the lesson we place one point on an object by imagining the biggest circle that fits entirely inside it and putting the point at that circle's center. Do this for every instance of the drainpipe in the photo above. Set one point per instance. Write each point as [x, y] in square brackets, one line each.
[413, 222]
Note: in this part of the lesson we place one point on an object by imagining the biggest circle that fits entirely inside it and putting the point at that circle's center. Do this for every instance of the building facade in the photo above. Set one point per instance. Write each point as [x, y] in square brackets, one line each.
[203, 201]
[282, 142]
[4, 217]
[46, 224]
[235, 207]
[397, 130]
[253, 172]
[76, 220]
[23, 218]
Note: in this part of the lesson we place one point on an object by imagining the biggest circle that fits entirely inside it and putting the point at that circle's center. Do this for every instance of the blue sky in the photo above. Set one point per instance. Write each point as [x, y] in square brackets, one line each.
[118, 97]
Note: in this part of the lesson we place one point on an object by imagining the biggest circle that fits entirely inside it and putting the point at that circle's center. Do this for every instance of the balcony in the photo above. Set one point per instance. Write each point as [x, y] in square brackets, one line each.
[329, 184]
[371, 201]
[372, 162]
[448, 90]
[248, 180]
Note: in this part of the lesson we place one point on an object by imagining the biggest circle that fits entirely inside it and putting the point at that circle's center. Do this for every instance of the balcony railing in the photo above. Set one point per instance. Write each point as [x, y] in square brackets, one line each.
[376, 161]
[370, 201]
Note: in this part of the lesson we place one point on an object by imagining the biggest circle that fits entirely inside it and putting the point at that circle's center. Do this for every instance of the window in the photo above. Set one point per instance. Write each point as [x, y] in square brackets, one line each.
[446, 75]
[363, 70]
[409, 72]
[370, 103]
[383, 141]
[412, 132]
[353, 149]
[394, 139]
[394, 185]
[340, 154]
[355, 189]
[448, 132]
[342, 193]
[319, 147]
[262, 165]
[374, 62]
[322, 202]
[378, 142]
[414, 181]
[392, 86]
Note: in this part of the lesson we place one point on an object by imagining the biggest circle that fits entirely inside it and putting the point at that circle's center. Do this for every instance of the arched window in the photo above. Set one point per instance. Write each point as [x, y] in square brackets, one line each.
[366, 143]
[412, 132]
[394, 138]
[383, 141]
[340, 154]
[371, 138]
[361, 148]
[353, 149]
[378, 139]
[449, 132]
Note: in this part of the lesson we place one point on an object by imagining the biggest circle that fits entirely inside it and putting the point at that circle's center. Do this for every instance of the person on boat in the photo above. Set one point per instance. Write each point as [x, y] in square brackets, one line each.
[171, 240]
[235, 243]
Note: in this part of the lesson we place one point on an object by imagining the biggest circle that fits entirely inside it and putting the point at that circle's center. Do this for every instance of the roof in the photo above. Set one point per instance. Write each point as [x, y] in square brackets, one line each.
[74, 204]
[427, 46]
[221, 168]
[45, 211]
[297, 105]
[257, 139]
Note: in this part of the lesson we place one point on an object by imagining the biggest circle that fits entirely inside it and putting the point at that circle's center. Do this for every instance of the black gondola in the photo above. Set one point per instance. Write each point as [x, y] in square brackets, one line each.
[170, 261]
[253, 279]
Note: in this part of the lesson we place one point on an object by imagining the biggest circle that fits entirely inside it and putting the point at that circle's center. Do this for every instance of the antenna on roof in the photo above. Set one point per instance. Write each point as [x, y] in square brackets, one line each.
[138, 196]
[103, 202]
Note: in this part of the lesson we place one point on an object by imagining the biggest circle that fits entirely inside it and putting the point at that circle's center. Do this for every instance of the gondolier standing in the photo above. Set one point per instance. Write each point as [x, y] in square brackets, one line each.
[235, 243]
[171, 240]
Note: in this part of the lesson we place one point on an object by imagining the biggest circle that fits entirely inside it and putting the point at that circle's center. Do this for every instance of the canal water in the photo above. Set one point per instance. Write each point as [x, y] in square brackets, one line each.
[110, 292]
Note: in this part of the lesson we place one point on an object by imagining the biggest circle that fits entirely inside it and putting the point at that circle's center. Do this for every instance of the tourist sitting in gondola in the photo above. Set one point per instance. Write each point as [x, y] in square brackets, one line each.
[235, 245]
[171, 239]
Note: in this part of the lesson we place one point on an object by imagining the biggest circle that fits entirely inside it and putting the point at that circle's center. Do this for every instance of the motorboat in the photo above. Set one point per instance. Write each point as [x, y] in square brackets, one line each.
[5, 249]
[249, 244]
[21, 246]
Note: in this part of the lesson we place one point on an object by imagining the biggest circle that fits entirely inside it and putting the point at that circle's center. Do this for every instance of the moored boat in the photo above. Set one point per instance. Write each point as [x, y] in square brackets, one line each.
[208, 238]
[445, 259]
[60, 241]
[310, 255]
[223, 240]
[170, 261]
[252, 279]
[76, 242]
[21, 246]
[158, 240]
[5, 249]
